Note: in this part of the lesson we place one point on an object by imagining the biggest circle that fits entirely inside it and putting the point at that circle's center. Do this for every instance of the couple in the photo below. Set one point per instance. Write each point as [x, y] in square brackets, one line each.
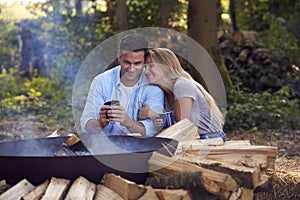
[171, 88]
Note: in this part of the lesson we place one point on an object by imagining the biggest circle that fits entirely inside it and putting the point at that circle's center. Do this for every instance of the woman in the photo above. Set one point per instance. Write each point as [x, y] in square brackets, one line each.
[183, 95]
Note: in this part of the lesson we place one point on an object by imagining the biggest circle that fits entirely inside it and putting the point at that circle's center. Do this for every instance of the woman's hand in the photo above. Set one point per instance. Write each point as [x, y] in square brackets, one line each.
[146, 113]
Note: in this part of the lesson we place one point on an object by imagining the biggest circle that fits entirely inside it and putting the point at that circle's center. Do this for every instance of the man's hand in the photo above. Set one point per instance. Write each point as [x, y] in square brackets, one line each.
[103, 121]
[118, 114]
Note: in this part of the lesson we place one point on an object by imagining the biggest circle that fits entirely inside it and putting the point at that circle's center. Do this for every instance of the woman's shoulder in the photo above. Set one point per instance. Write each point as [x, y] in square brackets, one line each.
[183, 80]
[183, 83]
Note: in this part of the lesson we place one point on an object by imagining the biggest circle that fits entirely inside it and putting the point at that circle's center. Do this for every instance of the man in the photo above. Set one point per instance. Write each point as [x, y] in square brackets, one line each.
[128, 84]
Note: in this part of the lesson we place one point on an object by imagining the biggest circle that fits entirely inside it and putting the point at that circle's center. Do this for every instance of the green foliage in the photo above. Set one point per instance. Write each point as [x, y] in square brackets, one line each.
[262, 111]
[9, 52]
[9, 86]
[258, 14]
[41, 99]
[269, 71]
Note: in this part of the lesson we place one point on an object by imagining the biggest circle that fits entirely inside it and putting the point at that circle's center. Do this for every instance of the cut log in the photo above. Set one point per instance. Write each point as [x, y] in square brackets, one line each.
[37, 192]
[246, 194]
[234, 149]
[213, 181]
[72, 140]
[183, 131]
[244, 55]
[104, 193]
[190, 181]
[2, 182]
[81, 189]
[125, 188]
[265, 184]
[56, 189]
[17, 191]
[173, 194]
[246, 160]
[238, 37]
[242, 36]
[244, 176]
[150, 194]
[4, 186]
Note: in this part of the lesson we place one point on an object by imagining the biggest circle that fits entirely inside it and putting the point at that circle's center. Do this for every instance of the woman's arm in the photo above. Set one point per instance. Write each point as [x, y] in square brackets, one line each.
[183, 108]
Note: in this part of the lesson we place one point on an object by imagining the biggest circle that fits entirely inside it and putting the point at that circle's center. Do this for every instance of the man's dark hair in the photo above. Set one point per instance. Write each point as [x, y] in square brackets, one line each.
[135, 43]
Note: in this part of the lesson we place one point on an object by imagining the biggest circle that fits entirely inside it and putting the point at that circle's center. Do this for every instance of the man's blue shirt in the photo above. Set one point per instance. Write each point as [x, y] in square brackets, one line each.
[106, 86]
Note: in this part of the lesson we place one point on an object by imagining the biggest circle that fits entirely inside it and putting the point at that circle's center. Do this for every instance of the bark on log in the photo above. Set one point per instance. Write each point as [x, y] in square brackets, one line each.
[190, 181]
[244, 176]
[213, 179]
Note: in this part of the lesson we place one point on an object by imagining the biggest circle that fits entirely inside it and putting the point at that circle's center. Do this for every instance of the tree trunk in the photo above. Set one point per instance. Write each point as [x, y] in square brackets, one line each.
[25, 38]
[164, 10]
[202, 27]
[120, 16]
[78, 7]
[219, 13]
[232, 16]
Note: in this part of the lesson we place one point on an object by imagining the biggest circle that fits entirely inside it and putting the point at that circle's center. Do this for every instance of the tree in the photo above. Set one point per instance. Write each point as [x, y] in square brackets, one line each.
[202, 27]
[233, 24]
[120, 15]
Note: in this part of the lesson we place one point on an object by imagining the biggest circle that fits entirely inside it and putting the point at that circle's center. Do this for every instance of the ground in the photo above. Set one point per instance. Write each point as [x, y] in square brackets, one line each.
[285, 176]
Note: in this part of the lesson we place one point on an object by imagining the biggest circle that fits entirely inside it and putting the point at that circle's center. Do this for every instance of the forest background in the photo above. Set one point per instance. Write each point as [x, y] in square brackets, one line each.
[43, 43]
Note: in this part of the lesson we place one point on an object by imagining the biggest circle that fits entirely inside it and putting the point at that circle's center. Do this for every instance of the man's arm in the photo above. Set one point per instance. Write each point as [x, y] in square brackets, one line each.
[154, 98]
[96, 125]
[92, 110]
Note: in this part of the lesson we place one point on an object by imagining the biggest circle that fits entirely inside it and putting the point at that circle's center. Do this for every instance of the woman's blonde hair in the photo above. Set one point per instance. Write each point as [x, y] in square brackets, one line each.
[171, 67]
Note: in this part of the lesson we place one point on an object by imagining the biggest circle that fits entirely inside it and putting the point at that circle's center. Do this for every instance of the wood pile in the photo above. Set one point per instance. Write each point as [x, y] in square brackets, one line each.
[112, 187]
[211, 169]
[243, 46]
[199, 169]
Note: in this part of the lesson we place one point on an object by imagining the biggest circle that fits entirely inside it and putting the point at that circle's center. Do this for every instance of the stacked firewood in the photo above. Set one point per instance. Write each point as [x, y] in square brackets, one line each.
[199, 169]
[113, 187]
[212, 169]
[243, 46]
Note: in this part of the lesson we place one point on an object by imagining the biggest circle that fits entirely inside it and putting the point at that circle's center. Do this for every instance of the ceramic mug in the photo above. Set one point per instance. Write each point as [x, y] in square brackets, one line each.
[168, 119]
[111, 103]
